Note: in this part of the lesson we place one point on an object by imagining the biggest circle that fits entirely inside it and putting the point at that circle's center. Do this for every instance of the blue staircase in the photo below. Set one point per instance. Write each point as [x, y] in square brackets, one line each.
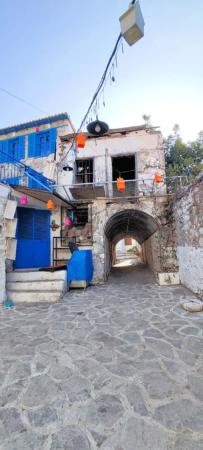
[17, 173]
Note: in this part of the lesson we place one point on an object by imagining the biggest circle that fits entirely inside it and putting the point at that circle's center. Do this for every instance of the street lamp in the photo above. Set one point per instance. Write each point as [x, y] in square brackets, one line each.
[132, 23]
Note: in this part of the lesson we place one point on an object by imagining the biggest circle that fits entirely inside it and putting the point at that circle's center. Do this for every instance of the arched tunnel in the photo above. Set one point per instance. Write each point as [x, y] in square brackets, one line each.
[127, 223]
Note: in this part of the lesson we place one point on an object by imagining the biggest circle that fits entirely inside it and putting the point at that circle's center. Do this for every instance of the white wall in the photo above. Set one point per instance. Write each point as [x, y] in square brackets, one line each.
[188, 215]
[191, 267]
[147, 146]
[121, 247]
[4, 191]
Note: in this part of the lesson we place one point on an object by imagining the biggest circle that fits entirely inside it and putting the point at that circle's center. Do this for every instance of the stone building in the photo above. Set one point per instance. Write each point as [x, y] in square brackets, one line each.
[33, 159]
[103, 215]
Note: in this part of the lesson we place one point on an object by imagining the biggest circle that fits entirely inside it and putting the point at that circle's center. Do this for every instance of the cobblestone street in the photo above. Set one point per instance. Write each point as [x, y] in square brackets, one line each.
[118, 367]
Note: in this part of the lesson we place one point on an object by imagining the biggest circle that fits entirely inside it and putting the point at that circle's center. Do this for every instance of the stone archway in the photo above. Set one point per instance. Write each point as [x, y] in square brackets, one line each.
[132, 223]
[112, 221]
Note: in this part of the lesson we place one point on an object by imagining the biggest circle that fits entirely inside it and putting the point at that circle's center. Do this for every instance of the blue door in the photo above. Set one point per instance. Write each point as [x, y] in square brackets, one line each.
[33, 239]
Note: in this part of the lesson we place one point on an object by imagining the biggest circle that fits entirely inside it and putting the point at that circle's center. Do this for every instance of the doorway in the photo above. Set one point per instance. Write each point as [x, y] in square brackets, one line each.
[33, 239]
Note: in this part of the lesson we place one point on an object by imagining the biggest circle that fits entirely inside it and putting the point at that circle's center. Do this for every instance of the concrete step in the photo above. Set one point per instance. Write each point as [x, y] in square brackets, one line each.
[45, 285]
[36, 276]
[34, 296]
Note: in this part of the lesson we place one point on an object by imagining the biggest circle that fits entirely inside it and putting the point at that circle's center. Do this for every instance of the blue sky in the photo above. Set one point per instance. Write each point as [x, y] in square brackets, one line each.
[53, 55]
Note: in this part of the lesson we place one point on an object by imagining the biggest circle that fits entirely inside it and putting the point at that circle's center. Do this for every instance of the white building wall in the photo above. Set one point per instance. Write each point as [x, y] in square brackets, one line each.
[4, 191]
[121, 247]
[147, 146]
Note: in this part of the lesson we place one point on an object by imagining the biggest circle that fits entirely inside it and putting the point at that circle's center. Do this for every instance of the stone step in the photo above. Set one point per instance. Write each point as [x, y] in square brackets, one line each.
[34, 296]
[45, 285]
[36, 275]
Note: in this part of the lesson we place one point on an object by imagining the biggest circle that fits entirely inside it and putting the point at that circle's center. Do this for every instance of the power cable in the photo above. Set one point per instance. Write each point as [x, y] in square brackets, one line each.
[23, 101]
[96, 93]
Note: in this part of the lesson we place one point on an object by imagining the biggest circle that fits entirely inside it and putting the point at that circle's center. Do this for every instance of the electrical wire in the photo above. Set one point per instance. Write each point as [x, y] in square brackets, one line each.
[23, 101]
[101, 83]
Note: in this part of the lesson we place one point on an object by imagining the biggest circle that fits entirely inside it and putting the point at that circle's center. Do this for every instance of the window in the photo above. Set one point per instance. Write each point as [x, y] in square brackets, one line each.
[125, 167]
[84, 171]
[43, 144]
[14, 148]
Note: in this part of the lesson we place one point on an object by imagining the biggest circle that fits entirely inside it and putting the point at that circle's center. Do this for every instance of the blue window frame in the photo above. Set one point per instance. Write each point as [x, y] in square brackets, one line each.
[13, 149]
[42, 143]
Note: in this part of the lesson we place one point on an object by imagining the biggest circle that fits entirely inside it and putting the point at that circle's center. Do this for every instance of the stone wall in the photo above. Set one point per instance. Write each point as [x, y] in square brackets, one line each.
[4, 191]
[188, 214]
[103, 249]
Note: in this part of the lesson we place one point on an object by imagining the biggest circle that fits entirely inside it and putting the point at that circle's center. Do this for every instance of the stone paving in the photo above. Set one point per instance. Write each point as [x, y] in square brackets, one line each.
[118, 367]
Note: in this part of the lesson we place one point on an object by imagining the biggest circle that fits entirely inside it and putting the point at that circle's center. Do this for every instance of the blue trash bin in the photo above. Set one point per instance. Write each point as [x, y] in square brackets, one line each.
[80, 269]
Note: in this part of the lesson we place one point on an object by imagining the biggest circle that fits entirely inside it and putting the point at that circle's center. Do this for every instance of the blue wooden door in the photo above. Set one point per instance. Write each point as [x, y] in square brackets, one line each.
[33, 239]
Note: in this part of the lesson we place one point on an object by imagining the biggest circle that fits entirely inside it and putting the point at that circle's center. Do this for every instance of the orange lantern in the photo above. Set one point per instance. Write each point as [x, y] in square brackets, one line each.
[158, 178]
[81, 140]
[50, 205]
[120, 184]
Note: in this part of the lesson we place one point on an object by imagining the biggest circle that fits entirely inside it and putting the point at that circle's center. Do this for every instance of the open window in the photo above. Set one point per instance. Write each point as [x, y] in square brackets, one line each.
[124, 166]
[84, 171]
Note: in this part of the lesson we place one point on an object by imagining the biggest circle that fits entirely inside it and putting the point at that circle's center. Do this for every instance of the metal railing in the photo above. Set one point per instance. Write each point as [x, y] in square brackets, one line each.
[144, 187]
[60, 245]
[16, 173]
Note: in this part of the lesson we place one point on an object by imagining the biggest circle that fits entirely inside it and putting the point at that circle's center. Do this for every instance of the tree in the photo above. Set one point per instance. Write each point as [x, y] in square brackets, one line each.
[183, 159]
[147, 122]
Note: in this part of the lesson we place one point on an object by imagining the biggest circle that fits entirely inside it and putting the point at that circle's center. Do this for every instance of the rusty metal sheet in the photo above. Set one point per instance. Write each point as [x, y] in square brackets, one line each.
[87, 192]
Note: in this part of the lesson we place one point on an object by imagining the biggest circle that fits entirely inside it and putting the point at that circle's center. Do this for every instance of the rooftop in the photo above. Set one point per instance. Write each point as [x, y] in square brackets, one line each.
[122, 131]
[35, 123]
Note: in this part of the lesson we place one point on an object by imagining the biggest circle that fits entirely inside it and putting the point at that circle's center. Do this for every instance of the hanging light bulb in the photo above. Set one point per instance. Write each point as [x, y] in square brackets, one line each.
[97, 127]
[67, 168]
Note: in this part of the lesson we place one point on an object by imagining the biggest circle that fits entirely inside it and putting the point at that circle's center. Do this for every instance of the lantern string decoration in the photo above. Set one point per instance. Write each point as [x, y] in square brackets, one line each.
[67, 222]
[24, 200]
[120, 184]
[158, 178]
[80, 139]
[50, 205]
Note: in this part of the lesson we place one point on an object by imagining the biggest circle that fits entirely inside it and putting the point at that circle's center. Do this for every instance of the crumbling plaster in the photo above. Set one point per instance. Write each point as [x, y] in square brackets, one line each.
[188, 215]
[4, 192]
[147, 146]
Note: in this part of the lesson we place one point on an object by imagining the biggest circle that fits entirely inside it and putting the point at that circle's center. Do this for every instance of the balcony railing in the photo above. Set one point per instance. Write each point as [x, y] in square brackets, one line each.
[133, 189]
[14, 172]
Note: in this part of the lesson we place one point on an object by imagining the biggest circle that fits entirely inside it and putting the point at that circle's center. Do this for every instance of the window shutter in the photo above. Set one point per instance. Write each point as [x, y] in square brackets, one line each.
[21, 147]
[40, 226]
[4, 148]
[53, 136]
[31, 144]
